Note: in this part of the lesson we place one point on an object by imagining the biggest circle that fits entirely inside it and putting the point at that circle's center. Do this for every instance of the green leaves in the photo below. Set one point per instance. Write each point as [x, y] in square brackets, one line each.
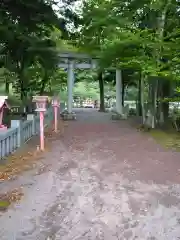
[31, 36]
[143, 35]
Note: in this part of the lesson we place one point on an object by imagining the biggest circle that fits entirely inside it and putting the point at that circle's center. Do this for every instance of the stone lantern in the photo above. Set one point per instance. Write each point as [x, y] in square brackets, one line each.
[56, 105]
[41, 102]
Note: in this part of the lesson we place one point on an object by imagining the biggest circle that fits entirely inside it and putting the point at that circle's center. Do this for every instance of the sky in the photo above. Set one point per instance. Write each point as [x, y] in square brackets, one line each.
[76, 7]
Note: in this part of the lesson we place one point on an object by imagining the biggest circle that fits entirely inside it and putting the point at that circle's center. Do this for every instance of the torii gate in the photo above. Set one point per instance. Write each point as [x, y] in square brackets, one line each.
[71, 61]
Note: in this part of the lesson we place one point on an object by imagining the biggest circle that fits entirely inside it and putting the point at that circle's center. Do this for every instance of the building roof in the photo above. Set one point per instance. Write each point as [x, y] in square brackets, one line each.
[3, 104]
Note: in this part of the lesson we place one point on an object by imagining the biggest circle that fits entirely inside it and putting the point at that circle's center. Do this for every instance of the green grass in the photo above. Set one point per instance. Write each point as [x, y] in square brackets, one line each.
[4, 204]
[168, 139]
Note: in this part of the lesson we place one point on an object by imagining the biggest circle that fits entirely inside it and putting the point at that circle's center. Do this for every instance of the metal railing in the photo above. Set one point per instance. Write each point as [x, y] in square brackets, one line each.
[21, 131]
[27, 130]
[8, 141]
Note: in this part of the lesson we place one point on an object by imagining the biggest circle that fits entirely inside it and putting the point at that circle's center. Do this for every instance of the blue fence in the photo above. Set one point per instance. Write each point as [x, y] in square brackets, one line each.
[21, 131]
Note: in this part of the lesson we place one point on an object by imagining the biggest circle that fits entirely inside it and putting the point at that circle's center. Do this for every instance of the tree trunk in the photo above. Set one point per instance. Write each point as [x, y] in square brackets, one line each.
[139, 97]
[20, 72]
[142, 98]
[22, 87]
[166, 86]
[7, 87]
[23, 92]
[154, 102]
[164, 107]
[101, 88]
[123, 92]
[160, 29]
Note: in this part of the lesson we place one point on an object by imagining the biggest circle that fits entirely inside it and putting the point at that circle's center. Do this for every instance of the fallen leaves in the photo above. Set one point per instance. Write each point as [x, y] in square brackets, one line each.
[43, 169]
[169, 140]
[16, 164]
[8, 198]
[24, 159]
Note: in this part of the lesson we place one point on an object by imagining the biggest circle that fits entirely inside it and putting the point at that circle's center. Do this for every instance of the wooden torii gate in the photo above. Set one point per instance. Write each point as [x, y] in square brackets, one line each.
[74, 60]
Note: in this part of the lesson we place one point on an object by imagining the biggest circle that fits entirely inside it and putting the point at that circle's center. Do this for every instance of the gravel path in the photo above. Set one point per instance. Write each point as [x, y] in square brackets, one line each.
[102, 180]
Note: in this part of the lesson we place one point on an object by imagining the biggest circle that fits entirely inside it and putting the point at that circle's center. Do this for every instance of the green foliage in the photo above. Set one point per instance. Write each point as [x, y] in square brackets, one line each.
[133, 34]
[31, 36]
[86, 90]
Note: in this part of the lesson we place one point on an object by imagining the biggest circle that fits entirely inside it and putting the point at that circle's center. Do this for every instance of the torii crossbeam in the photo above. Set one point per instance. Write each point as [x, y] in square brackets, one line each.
[75, 60]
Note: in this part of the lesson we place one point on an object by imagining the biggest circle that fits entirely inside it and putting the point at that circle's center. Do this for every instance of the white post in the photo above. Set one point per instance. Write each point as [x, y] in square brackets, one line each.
[119, 108]
[70, 85]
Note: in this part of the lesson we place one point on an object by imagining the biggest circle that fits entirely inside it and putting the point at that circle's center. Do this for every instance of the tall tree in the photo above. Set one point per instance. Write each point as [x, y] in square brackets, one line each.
[139, 35]
[27, 41]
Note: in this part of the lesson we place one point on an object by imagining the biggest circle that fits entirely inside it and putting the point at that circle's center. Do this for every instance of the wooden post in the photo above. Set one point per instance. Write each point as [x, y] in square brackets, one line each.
[56, 105]
[41, 102]
[41, 114]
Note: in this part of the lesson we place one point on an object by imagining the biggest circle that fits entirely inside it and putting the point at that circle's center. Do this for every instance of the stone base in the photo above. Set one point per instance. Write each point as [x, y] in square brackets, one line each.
[117, 116]
[68, 116]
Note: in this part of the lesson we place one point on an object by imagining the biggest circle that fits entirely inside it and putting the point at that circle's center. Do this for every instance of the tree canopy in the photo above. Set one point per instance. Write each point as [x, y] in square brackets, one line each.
[138, 36]
[32, 32]
[132, 34]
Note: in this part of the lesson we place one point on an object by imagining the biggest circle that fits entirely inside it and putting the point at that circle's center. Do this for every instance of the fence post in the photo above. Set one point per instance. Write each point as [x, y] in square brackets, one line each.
[31, 117]
[3, 146]
[18, 124]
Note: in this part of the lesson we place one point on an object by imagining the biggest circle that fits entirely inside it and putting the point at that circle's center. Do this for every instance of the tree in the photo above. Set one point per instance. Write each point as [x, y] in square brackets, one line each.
[136, 35]
[84, 90]
[30, 38]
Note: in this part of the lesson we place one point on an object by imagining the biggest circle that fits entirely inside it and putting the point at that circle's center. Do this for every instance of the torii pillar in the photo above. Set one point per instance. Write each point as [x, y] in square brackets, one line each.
[69, 114]
[70, 85]
[119, 107]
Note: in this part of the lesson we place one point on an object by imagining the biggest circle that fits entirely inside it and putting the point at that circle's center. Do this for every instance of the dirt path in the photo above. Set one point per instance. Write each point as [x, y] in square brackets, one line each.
[102, 180]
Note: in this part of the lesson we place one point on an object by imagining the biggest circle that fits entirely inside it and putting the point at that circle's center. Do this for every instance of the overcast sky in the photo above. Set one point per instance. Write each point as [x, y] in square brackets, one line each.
[76, 6]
